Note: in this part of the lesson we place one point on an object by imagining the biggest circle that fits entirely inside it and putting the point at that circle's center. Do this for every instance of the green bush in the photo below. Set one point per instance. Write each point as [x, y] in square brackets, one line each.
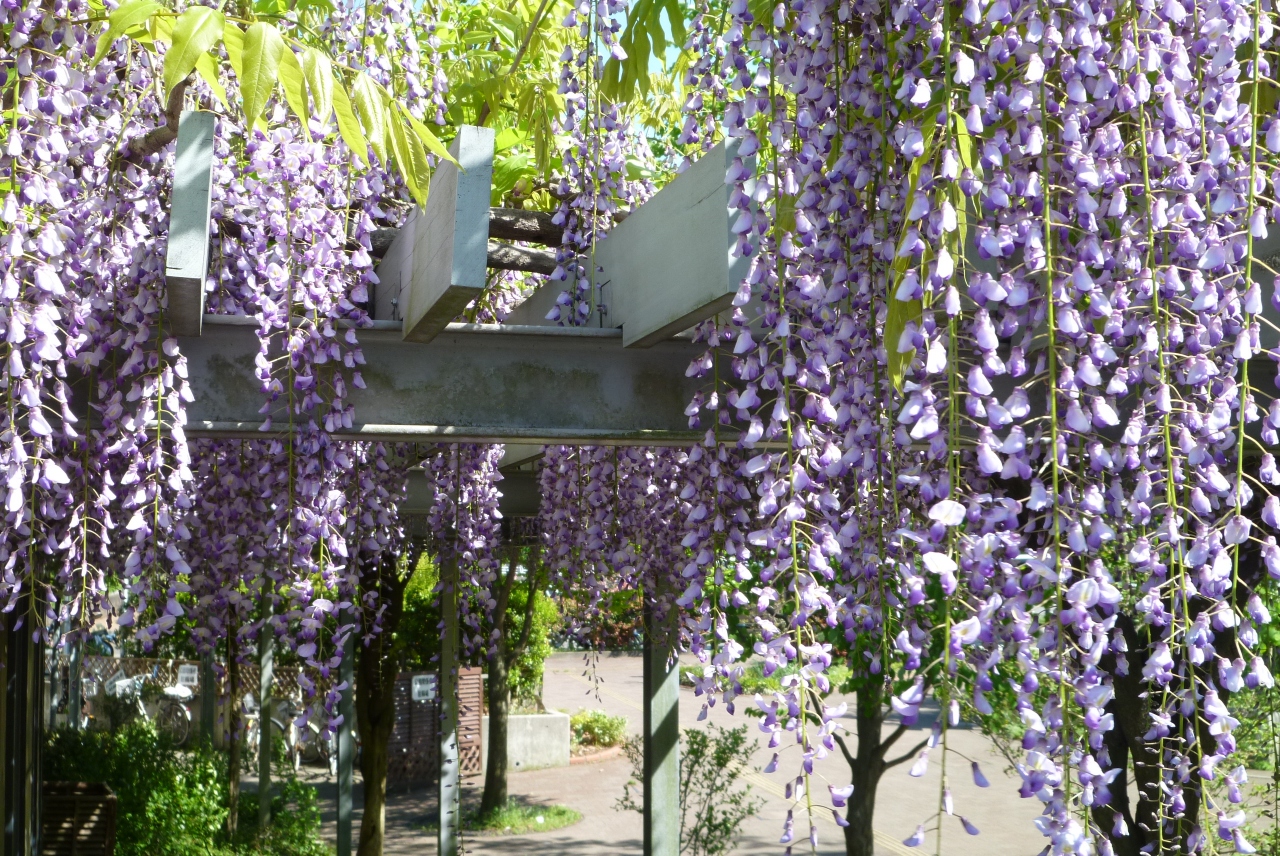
[417, 638]
[525, 675]
[172, 803]
[714, 800]
[166, 802]
[597, 728]
[295, 823]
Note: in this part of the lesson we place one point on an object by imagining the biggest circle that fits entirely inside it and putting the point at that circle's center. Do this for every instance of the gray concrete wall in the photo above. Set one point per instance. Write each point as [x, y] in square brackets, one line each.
[534, 741]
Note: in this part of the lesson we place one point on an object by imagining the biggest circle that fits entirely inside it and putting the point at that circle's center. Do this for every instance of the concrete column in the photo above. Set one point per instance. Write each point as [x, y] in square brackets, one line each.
[450, 778]
[266, 663]
[661, 743]
[346, 745]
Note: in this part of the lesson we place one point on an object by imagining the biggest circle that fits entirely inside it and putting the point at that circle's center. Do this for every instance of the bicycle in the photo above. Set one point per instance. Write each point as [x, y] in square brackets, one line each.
[253, 731]
[172, 717]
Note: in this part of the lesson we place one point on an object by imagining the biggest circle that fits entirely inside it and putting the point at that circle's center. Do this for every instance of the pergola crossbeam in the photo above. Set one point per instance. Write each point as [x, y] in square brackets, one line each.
[472, 383]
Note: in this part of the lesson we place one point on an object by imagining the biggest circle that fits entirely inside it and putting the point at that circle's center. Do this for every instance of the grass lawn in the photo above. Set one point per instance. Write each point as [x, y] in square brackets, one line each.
[518, 818]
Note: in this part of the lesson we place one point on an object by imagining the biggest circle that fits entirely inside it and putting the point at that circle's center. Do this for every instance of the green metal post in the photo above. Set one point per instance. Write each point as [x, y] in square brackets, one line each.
[208, 697]
[661, 743]
[266, 663]
[450, 778]
[346, 745]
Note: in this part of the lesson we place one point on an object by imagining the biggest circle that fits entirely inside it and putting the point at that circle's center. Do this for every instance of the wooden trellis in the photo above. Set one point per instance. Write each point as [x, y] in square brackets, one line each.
[414, 749]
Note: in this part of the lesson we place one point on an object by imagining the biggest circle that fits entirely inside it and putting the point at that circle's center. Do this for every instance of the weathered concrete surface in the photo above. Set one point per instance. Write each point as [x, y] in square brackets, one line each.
[673, 262]
[187, 256]
[472, 383]
[436, 265]
[535, 741]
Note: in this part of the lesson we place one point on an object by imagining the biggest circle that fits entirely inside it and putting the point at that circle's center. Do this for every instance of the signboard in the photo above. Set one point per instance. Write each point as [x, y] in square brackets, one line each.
[120, 685]
[188, 676]
[88, 687]
[423, 688]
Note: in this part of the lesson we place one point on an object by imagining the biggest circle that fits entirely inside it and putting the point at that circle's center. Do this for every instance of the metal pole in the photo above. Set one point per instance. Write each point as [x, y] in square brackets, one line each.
[450, 779]
[346, 746]
[75, 699]
[266, 665]
[208, 697]
[661, 742]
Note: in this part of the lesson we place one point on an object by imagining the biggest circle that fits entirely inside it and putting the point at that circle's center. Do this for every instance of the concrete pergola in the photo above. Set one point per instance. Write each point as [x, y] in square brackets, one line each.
[620, 381]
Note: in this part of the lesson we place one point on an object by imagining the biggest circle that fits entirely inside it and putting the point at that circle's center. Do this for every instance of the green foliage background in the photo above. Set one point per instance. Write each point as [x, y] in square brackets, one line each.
[172, 803]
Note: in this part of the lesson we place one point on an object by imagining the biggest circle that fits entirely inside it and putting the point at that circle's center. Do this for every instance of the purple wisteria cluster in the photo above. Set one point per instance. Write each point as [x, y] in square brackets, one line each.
[227, 538]
[989, 422]
[991, 368]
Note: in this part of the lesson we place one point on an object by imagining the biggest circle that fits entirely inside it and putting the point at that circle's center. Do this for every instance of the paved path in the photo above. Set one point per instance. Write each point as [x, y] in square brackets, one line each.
[615, 685]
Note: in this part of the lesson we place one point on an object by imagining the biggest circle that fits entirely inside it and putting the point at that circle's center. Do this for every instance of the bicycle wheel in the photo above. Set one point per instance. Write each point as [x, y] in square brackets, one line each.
[172, 719]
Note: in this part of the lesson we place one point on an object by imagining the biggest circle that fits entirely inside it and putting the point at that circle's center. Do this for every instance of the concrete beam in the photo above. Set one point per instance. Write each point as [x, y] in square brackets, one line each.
[672, 262]
[517, 454]
[187, 258]
[669, 265]
[438, 262]
[473, 383]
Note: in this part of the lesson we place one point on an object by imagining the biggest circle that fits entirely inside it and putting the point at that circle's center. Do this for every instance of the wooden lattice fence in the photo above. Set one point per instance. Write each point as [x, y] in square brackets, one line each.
[414, 751]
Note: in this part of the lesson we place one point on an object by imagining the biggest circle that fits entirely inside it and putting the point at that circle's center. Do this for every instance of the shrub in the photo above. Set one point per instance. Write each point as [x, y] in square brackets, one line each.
[597, 728]
[172, 803]
[167, 802]
[525, 675]
[712, 805]
[295, 823]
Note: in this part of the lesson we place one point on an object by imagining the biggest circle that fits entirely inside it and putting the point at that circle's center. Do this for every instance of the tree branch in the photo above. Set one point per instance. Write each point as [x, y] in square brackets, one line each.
[162, 135]
[908, 755]
[529, 604]
[852, 762]
[515, 63]
[887, 743]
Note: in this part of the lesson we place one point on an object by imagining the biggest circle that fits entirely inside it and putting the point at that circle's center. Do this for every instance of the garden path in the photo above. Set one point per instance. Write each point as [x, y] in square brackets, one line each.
[593, 789]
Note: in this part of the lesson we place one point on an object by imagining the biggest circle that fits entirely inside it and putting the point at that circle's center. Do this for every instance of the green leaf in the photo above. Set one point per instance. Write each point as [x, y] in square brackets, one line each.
[507, 171]
[410, 157]
[122, 20]
[207, 68]
[348, 126]
[295, 91]
[318, 71]
[430, 140]
[196, 30]
[369, 103]
[263, 48]
[233, 41]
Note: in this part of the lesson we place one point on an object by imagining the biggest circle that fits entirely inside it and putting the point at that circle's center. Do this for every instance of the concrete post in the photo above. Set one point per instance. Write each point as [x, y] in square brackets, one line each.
[450, 778]
[266, 663]
[661, 742]
[346, 745]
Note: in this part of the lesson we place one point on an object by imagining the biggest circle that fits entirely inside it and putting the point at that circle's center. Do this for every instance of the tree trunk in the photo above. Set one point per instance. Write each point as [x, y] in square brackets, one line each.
[376, 669]
[495, 773]
[865, 771]
[233, 735]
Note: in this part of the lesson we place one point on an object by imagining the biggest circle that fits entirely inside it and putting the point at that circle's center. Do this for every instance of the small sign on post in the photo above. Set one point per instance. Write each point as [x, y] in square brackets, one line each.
[423, 688]
[188, 676]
